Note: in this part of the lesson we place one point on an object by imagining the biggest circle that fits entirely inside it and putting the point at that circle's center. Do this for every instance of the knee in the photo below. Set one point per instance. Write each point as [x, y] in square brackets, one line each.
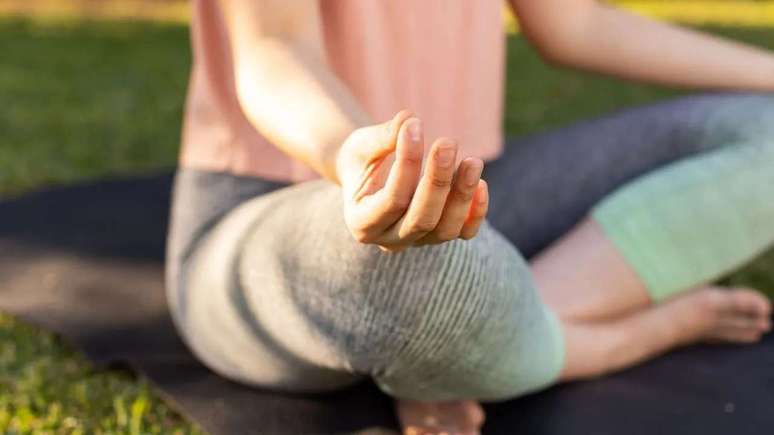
[374, 306]
[392, 305]
[445, 322]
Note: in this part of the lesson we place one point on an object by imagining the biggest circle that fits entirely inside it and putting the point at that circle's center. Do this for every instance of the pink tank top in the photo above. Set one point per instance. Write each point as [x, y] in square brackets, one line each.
[442, 59]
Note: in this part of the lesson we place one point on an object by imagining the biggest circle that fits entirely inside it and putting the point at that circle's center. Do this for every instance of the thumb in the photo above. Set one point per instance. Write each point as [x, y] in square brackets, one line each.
[370, 146]
[384, 138]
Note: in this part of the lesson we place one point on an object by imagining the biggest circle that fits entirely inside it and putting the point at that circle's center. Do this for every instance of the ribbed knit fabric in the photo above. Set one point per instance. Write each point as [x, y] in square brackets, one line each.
[462, 319]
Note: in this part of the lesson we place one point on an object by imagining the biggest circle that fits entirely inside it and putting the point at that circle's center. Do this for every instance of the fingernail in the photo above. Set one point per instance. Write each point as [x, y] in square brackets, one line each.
[473, 172]
[415, 130]
[445, 156]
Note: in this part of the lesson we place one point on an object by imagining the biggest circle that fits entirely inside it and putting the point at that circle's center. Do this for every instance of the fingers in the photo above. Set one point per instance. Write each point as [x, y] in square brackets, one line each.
[392, 202]
[428, 202]
[459, 201]
[405, 207]
[386, 138]
[445, 207]
[377, 143]
[393, 126]
[375, 208]
[477, 213]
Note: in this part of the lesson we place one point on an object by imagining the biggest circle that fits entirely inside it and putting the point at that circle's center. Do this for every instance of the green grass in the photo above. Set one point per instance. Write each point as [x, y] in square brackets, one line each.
[80, 100]
[45, 387]
[538, 97]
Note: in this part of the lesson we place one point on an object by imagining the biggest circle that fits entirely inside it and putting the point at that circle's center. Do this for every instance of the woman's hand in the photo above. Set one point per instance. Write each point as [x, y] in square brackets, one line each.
[389, 201]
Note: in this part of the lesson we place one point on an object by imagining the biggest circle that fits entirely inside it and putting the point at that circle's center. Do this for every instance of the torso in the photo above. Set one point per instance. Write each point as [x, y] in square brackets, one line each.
[442, 59]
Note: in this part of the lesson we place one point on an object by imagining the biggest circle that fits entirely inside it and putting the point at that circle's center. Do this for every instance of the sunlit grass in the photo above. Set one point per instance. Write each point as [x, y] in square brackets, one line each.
[705, 12]
[176, 11]
[46, 388]
[719, 13]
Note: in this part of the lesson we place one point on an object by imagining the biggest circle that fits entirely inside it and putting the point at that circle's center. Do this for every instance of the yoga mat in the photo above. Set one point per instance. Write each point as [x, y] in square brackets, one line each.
[86, 262]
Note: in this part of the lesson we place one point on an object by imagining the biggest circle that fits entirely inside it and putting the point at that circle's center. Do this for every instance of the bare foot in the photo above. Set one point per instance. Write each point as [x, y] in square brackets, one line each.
[461, 417]
[715, 314]
[735, 315]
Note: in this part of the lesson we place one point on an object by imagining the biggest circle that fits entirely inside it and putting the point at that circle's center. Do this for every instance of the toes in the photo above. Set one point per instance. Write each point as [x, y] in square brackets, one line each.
[473, 414]
[738, 322]
[749, 309]
[426, 418]
[436, 418]
[741, 315]
[744, 327]
[750, 301]
[739, 335]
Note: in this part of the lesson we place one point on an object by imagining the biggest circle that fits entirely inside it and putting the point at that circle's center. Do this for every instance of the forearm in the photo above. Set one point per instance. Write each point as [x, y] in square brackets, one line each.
[292, 97]
[284, 83]
[587, 35]
[632, 47]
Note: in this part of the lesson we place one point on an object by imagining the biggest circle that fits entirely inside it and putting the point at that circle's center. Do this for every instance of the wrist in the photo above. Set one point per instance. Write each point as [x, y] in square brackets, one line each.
[331, 170]
[331, 149]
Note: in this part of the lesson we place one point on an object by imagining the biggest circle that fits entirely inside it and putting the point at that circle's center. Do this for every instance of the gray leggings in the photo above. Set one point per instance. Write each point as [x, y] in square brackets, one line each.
[269, 288]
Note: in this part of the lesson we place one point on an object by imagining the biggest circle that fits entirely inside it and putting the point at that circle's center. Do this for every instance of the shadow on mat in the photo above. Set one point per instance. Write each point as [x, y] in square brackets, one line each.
[118, 218]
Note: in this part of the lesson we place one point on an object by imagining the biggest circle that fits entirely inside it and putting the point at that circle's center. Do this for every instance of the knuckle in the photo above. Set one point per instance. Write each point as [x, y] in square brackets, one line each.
[422, 226]
[464, 195]
[397, 204]
[446, 236]
[410, 158]
[440, 182]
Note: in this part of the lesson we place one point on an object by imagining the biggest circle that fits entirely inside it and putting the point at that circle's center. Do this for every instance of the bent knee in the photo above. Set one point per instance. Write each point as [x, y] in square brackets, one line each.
[457, 320]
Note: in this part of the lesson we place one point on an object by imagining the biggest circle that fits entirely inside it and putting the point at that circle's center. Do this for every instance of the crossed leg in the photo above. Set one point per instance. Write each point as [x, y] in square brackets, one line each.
[641, 259]
[609, 321]
[610, 317]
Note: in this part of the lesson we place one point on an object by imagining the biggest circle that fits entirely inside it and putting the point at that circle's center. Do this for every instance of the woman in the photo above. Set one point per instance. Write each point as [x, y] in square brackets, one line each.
[388, 268]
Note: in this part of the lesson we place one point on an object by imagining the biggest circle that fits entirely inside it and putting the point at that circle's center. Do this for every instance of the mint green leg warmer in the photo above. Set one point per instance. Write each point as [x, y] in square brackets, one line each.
[697, 219]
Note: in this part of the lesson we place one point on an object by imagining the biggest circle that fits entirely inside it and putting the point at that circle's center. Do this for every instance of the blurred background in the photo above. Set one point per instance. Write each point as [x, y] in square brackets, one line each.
[95, 88]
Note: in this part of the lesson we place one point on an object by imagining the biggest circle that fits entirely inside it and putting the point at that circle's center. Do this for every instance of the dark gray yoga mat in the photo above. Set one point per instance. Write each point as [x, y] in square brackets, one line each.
[86, 262]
